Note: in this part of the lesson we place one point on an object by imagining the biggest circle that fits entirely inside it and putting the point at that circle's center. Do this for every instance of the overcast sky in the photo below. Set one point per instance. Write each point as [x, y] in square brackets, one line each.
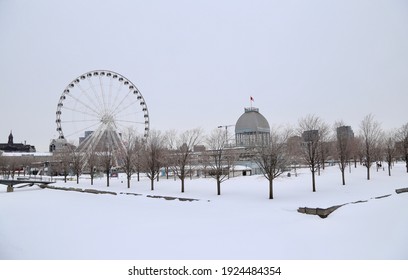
[198, 62]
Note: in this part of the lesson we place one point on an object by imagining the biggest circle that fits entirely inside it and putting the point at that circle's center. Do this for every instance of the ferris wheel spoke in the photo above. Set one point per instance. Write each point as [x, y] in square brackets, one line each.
[117, 98]
[116, 140]
[77, 131]
[131, 112]
[80, 121]
[101, 107]
[88, 97]
[121, 109]
[103, 94]
[125, 126]
[93, 140]
[110, 93]
[127, 115]
[127, 121]
[83, 103]
[82, 112]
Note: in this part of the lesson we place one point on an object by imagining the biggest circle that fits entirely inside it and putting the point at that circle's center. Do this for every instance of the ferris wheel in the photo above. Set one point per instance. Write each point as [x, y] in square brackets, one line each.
[97, 108]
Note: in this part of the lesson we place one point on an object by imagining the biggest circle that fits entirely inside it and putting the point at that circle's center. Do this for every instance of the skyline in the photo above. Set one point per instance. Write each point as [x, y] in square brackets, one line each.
[198, 63]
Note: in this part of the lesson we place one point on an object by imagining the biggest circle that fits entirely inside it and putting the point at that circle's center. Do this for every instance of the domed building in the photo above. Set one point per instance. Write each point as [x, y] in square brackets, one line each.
[252, 129]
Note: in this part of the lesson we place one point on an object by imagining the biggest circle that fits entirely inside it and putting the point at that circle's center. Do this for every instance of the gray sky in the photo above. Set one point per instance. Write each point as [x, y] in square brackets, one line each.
[198, 62]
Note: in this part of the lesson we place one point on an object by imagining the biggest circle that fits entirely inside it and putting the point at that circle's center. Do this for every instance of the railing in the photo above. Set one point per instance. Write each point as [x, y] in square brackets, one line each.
[28, 178]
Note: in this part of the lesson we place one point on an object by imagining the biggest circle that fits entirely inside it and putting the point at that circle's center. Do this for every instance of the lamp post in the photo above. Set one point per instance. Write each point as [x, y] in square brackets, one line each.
[226, 131]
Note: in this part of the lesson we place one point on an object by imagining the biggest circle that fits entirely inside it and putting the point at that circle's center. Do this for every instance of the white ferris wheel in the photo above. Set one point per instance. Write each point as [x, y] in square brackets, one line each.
[97, 108]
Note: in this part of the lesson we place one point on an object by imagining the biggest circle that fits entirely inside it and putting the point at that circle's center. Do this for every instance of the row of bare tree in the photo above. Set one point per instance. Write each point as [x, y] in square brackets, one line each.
[312, 143]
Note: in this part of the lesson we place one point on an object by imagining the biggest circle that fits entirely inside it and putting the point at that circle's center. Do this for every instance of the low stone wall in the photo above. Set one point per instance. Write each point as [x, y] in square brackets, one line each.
[172, 198]
[321, 212]
[78, 190]
[403, 190]
[93, 191]
[325, 212]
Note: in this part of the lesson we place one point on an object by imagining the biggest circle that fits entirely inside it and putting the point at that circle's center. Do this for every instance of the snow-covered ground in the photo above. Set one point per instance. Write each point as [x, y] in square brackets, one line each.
[242, 223]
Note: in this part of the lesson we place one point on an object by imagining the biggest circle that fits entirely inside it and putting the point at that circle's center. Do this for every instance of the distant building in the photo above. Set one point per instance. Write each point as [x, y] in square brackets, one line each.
[199, 148]
[345, 132]
[11, 147]
[58, 145]
[83, 138]
[310, 136]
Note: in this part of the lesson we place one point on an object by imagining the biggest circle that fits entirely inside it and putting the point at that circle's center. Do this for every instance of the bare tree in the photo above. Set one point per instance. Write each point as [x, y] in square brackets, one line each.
[370, 131]
[92, 162]
[77, 161]
[309, 127]
[26, 163]
[231, 157]
[63, 160]
[355, 150]
[181, 149]
[402, 138]
[167, 160]
[131, 147]
[139, 161]
[12, 165]
[217, 144]
[344, 145]
[272, 156]
[153, 153]
[390, 149]
[106, 161]
[3, 164]
[204, 161]
[324, 144]
[294, 151]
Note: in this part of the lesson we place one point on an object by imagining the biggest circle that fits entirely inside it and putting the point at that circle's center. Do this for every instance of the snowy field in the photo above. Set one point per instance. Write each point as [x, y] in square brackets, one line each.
[242, 223]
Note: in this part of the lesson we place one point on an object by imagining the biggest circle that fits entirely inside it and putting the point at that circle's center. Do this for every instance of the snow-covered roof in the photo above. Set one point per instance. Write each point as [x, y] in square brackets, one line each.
[35, 154]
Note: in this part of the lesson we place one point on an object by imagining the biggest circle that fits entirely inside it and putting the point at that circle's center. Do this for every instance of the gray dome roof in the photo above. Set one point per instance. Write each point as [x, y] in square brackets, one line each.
[252, 121]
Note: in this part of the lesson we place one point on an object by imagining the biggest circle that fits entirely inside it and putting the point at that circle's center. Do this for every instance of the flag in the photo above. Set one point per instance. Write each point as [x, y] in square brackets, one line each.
[251, 98]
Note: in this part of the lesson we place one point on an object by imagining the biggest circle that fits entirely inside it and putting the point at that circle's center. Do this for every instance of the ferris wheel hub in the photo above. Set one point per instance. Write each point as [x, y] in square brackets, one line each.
[108, 119]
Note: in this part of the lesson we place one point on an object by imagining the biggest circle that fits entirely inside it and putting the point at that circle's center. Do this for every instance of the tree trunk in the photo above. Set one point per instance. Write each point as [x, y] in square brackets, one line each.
[389, 169]
[406, 161]
[218, 186]
[313, 181]
[368, 172]
[182, 185]
[343, 178]
[128, 181]
[270, 188]
[77, 177]
[107, 178]
[152, 183]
